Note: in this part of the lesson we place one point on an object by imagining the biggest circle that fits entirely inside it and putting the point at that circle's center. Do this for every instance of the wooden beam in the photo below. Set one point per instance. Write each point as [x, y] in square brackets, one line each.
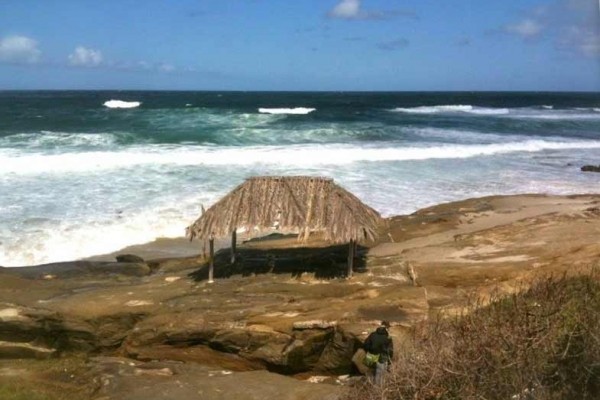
[351, 251]
[233, 245]
[211, 264]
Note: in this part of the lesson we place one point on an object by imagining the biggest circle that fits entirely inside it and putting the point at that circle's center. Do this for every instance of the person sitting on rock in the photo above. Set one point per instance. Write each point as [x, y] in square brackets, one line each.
[380, 348]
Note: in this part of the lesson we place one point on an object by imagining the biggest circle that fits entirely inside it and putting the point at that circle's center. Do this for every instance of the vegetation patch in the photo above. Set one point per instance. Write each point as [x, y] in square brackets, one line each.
[542, 343]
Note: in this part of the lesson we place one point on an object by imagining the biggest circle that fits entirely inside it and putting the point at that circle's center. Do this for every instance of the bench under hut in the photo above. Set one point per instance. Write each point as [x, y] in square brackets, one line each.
[299, 204]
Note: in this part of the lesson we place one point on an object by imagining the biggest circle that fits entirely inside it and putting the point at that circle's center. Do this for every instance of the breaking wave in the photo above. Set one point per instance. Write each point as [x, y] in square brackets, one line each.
[292, 155]
[291, 111]
[453, 109]
[121, 104]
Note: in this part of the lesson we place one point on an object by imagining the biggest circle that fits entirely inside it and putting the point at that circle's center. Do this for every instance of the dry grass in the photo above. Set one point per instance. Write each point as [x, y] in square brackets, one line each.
[542, 344]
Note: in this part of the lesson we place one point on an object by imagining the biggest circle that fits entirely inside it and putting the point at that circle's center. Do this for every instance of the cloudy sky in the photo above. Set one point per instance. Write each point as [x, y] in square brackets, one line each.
[300, 44]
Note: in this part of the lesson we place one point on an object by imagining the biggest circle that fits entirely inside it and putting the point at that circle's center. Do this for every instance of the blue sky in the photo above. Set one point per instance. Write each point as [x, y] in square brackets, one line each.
[300, 45]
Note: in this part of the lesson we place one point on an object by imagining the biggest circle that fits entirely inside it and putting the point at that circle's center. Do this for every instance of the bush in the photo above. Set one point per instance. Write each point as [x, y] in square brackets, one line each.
[542, 343]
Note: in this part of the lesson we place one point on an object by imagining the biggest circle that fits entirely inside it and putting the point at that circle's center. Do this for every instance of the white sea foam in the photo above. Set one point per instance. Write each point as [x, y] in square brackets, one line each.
[121, 104]
[293, 111]
[596, 109]
[548, 107]
[452, 109]
[66, 240]
[50, 139]
[464, 136]
[293, 155]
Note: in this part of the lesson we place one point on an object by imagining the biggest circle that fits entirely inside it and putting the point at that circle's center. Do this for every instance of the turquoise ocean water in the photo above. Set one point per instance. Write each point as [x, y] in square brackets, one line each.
[85, 173]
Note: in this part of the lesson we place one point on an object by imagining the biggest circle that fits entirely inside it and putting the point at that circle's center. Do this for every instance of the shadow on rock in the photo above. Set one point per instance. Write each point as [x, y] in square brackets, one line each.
[324, 262]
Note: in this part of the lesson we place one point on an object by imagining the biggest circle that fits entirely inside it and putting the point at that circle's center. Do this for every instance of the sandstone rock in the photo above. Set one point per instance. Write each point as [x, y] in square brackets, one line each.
[57, 332]
[24, 350]
[305, 351]
[314, 324]
[44, 328]
[298, 351]
[336, 358]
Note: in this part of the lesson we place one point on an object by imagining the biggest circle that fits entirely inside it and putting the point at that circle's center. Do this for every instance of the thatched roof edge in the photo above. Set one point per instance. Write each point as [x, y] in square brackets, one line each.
[300, 203]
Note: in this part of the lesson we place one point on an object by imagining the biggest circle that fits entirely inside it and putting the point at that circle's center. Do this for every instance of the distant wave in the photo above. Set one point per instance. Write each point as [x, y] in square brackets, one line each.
[121, 104]
[452, 109]
[294, 155]
[296, 110]
[576, 114]
[544, 112]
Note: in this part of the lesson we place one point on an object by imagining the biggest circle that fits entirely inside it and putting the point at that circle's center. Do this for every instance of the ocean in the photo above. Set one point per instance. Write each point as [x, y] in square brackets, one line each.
[89, 172]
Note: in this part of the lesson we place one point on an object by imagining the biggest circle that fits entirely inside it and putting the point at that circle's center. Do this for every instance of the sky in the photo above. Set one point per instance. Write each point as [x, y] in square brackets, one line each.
[339, 45]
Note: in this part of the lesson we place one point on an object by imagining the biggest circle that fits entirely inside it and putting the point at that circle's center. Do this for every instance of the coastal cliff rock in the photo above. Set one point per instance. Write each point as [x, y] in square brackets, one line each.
[27, 332]
[42, 331]
[298, 350]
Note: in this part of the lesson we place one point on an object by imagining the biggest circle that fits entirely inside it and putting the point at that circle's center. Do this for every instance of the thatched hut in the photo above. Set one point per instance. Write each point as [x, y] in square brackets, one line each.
[300, 204]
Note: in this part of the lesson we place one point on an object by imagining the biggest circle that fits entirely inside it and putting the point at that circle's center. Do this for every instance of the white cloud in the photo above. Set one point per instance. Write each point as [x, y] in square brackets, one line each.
[19, 50]
[581, 40]
[527, 28]
[352, 10]
[164, 67]
[346, 9]
[572, 26]
[85, 57]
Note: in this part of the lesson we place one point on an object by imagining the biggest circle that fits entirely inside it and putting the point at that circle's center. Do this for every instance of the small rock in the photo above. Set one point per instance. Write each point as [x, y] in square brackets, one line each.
[172, 278]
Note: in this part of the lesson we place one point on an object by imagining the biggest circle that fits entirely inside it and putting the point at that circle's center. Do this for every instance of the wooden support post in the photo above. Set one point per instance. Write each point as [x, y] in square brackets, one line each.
[233, 245]
[351, 250]
[211, 264]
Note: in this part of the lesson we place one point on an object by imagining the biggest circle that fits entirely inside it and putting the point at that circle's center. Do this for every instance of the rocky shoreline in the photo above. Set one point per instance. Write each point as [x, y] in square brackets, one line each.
[156, 329]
